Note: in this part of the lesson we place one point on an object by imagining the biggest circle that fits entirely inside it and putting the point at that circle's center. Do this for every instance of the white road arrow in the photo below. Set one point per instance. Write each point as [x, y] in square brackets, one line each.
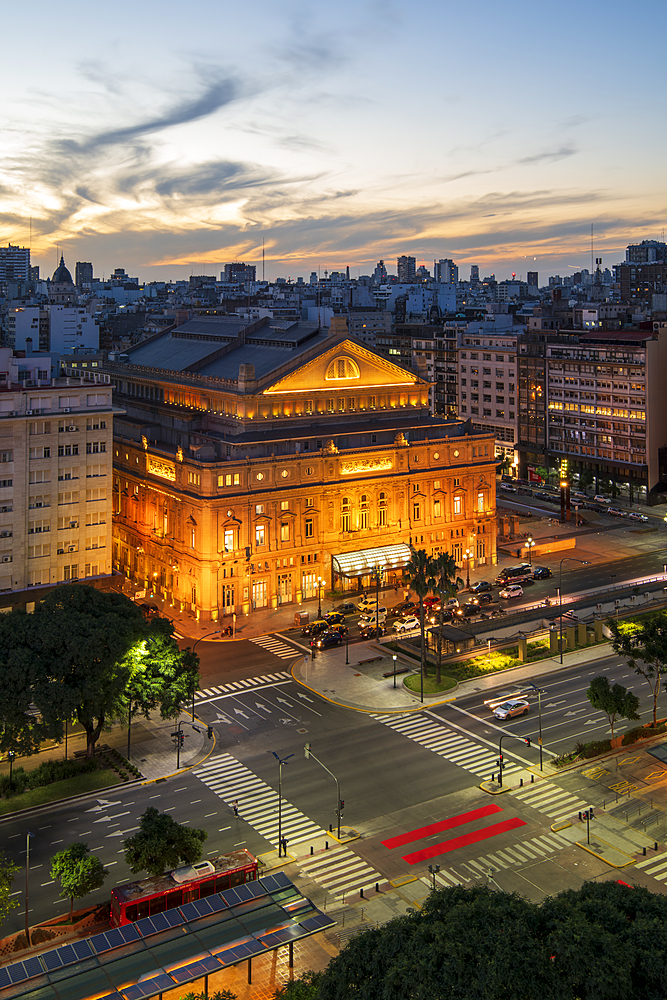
[304, 696]
[103, 819]
[102, 806]
[223, 718]
[237, 711]
[554, 704]
[591, 722]
[262, 708]
[121, 833]
[285, 702]
[575, 712]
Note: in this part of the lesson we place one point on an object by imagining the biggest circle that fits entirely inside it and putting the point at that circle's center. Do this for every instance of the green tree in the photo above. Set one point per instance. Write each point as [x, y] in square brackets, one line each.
[22, 730]
[586, 478]
[162, 843]
[447, 584]
[78, 871]
[85, 637]
[7, 872]
[644, 644]
[305, 987]
[419, 573]
[615, 701]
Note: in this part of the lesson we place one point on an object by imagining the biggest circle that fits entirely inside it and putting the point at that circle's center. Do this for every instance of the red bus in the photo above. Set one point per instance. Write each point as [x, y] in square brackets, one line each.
[182, 885]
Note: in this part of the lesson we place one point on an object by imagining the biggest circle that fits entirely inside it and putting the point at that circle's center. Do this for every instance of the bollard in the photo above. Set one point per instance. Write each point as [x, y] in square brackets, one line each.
[520, 782]
[361, 894]
[362, 913]
[580, 817]
[311, 850]
[377, 886]
[532, 778]
[330, 828]
[493, 777]
[644, 851]
[655, 846]
[326, 845]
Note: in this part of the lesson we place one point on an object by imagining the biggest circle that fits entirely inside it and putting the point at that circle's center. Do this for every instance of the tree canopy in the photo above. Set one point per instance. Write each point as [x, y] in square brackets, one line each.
[88, 655]
[78, 871]
[7, 872]
[644, 644]
[614, 700]
[601, 942]
[161, 843]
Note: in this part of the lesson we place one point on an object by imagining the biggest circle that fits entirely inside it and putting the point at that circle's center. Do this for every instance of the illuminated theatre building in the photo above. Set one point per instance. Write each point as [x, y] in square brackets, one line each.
[255, 465]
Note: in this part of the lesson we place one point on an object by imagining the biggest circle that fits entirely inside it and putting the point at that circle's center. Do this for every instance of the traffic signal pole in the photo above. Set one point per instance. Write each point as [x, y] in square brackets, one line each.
[339, 802]
[524, 739]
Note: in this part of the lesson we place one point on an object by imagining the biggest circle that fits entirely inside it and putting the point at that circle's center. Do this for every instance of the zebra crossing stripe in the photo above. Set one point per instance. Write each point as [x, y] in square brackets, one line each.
[650, 861]
[657, 868]
[250, 682]
[341, 872]
[554, 802]
[454, 747]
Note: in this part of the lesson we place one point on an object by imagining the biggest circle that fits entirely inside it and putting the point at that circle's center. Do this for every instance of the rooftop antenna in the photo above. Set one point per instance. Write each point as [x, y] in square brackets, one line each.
[262, 258]
[592, 265]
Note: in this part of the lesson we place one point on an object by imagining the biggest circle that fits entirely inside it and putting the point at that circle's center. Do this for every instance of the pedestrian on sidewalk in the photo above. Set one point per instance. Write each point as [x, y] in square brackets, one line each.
[235, 807]
[283, 845]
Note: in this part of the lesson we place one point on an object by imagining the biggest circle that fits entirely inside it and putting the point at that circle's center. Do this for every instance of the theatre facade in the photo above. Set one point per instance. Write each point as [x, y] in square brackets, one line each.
[283, 465]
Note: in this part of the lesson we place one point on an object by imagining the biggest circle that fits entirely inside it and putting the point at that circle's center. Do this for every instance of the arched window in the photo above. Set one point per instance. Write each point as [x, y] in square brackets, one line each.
[363, 512]
[382, 510]
[341, 368]
[345, 514]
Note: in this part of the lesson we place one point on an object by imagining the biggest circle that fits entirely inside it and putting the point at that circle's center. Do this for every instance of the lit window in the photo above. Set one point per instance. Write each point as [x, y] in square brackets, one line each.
[284, 531]
[458, 505]
[259, 534]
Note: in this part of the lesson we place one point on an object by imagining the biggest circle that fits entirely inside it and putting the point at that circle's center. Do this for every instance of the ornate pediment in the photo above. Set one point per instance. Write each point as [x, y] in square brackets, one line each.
[348, 365]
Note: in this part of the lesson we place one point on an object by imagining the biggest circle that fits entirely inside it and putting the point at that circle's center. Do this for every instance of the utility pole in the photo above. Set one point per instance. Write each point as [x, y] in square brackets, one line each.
[339, 802]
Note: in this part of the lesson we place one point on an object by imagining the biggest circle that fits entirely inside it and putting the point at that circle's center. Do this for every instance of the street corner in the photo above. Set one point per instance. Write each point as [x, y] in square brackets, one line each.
[493, 788]
[611, 855]
[346, 836]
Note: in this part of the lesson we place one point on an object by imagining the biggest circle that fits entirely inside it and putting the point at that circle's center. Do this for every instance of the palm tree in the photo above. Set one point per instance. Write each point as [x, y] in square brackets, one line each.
[447, 584]
[419, 571]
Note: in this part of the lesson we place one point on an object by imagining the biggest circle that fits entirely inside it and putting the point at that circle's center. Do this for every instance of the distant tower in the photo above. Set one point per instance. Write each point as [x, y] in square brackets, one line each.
[406, 268]
[474, 274]
[532, 279]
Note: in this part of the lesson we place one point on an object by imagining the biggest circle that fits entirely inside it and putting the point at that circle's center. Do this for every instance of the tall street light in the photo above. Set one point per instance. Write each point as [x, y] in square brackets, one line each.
[530, 545]
[320, 584]
[27, 884]
[281, 761]
[539, 692]
[467, 555]
[377, 573]
[584, 562]
[194, 683]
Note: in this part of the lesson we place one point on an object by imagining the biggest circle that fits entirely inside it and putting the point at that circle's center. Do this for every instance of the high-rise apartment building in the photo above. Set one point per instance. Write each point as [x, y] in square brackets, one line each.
[55, 477]
[14, 263]
[446, 272]
[238, 272]
[646, 252]
[474, 274]
[83, 273]
[532, 279]
[406, 268]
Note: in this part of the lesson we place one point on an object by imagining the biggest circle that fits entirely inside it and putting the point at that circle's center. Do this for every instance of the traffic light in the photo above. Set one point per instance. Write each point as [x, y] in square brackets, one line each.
[341, 805]
[526, 740]
[306, 750]
[209, 732]
[181, 738]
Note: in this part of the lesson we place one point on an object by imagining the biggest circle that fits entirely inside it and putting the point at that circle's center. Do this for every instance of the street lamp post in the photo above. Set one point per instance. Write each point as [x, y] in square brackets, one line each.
[467, 555]
[584, 562]
[320, 584]
[530, 545]
[539, 693]
[377, 573]
[281, 761]
[27, 884]
[394, 659]
[194, 685]
[339, 802]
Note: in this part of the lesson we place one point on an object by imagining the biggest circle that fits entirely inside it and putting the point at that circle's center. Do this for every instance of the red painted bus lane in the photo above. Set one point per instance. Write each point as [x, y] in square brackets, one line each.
[467, 838]
[445, 824]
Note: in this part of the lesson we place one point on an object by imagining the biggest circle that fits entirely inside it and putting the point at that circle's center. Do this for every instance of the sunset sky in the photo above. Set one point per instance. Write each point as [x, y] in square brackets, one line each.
[169, 138]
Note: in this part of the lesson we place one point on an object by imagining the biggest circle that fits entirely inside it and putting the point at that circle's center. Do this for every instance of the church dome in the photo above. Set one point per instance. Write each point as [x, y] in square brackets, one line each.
[61, 275]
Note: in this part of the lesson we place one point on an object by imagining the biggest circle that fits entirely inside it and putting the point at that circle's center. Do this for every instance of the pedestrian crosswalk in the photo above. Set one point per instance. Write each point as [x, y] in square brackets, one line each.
[528, 851]
[339, 870]
[275, 646]
[479, 760]
[257, 802]
[656, 867]
[551, 800]
[235, 687]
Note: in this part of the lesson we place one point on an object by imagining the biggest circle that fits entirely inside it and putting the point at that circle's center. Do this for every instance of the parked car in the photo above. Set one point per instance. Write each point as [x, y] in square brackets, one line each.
[541, 573]
[510, 709]
[371, 632]
[512, 590]
[327, 639]
[616, 512]
[367, 604]
[319, 625]
[346, 609]
[334, 617]
[406, 624]
[600, 499]
[482, 585]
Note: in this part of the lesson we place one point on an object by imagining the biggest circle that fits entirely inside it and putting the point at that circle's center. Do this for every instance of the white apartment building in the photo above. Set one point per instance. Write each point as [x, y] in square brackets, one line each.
[488, 385]
[55, 476]
[72, 327]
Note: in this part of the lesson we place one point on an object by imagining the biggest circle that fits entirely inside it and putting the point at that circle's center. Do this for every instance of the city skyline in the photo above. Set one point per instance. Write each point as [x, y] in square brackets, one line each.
[171, 146]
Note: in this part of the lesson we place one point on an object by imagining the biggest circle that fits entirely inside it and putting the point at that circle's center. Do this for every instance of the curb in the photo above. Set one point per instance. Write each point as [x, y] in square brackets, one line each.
[601, 857]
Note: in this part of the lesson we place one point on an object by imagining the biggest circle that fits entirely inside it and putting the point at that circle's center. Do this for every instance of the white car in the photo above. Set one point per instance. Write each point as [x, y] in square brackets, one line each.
[371, 617]
[367, 604]
[637, 517]
[452, 602]
[599, 499]
[406, 624]
[512, 590]
[509, 709]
